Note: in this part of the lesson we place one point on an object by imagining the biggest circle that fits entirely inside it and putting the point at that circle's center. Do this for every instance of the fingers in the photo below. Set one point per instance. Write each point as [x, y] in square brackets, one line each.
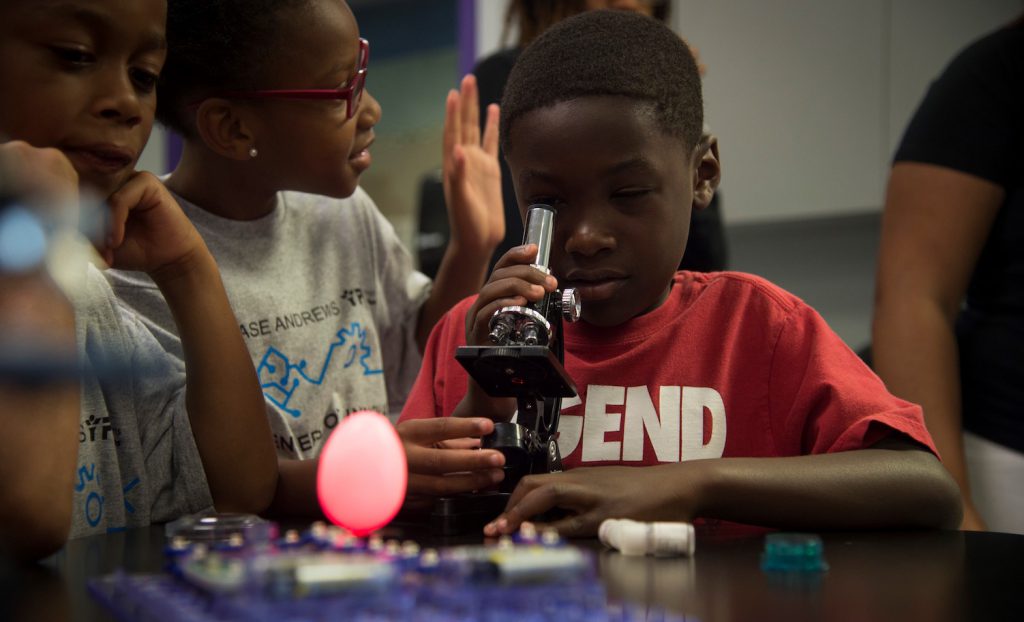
[120, 204]
[517, 264]
[575, 525]
[431, 461]
[523, 254]
[427, 432]
[490, 144]
[530, 498]
[148, 230]
[521, 280]
[514, 285]
[141, 192]
[457, 174]
[462, 120]
[456, 483]
[513, 282]
[437, 471]
[469, 102]
[460, 443]
[452, 127]
[141, 189]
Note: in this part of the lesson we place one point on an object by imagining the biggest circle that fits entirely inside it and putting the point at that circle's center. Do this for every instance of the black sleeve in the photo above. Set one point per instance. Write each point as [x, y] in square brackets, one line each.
[970, 119]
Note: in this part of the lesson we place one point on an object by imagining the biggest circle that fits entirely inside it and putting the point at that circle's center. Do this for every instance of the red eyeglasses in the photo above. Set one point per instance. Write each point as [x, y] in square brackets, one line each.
[352, 92]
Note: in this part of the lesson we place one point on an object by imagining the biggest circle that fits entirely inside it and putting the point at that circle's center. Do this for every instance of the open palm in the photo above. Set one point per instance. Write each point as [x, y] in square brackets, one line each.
[472, 176]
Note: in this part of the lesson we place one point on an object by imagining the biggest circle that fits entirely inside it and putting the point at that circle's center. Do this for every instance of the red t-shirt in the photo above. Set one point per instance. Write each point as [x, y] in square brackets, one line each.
[728, 366]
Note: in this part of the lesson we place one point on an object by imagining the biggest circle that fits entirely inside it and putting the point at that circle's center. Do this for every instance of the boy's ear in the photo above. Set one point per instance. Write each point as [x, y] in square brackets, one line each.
[707, 171]
[223, 129]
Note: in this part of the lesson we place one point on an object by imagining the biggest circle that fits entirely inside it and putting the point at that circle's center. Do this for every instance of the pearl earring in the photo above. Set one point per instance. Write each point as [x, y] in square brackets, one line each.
[253, 152]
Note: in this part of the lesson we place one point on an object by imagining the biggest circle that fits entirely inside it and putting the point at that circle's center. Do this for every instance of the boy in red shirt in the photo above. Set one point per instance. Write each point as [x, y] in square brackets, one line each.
[712, 395]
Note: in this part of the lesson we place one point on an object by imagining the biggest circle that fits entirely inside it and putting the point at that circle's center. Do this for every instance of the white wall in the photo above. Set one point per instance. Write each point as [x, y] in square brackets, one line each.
[154, 156]
[924, 36]
[490, 19]
[810, 97]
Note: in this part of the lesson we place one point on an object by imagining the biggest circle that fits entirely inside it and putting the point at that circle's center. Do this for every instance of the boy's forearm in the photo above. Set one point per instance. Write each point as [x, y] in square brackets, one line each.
[462, 273]
[864, 489]
[224, 400]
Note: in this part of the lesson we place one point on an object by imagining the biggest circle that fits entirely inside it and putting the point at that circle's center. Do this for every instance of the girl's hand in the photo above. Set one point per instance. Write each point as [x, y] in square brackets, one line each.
[148, 230]
[471, 174]
[440, 462]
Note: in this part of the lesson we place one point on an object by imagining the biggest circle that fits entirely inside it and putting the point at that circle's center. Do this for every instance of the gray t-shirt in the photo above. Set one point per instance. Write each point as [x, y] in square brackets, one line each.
[327, 301]
[137, 459]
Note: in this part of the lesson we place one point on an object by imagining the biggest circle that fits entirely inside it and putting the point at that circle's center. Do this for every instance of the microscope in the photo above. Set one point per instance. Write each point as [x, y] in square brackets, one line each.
[525, 361]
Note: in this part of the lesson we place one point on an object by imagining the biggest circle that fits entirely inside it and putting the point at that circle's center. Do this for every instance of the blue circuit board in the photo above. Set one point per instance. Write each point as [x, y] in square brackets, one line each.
[325, 574]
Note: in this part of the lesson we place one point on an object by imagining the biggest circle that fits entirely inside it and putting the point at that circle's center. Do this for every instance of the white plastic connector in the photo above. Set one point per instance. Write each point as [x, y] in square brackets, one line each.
[632, 537]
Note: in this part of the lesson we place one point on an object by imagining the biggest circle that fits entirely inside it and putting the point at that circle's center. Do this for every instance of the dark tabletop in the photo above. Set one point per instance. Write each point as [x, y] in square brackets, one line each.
[906, 576]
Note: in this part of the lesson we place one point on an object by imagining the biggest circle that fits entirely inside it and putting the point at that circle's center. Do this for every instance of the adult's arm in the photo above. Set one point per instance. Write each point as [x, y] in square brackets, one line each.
[935, 223]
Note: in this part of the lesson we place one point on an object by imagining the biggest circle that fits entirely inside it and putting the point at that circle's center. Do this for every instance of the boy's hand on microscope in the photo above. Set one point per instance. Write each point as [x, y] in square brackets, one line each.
[471, 174]
[442, 462]
[514, 282]
[148, 230]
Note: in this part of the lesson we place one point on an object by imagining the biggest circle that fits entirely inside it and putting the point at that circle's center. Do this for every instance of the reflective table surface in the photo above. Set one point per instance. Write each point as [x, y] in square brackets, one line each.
[905, 576]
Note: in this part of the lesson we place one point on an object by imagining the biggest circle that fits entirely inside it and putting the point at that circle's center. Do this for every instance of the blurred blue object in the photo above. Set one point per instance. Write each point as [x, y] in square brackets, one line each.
[22, 240]
[34, 363]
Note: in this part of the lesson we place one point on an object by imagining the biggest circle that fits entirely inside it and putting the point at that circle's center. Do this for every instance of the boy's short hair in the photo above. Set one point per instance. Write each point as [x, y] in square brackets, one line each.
[608, 53]
[215, 45]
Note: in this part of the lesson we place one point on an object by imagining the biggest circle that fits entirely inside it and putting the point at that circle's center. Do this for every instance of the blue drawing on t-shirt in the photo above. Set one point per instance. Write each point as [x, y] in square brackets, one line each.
[127, 504]
[275, 368]
[127, 488]
[93, 504]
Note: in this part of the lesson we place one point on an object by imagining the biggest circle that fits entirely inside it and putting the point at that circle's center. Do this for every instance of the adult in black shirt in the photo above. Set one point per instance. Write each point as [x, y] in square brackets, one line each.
[949, 310]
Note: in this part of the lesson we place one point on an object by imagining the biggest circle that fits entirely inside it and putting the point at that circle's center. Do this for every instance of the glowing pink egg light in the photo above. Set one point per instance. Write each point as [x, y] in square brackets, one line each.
[362, 474]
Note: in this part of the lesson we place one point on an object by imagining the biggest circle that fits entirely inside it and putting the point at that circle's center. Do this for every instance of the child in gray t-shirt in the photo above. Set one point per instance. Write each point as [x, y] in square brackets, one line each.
[328, 301]
[137, 441]
[270, 99]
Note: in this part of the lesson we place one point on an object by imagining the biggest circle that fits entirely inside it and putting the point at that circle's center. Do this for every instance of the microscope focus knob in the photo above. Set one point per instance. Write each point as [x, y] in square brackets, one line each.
[571, 305]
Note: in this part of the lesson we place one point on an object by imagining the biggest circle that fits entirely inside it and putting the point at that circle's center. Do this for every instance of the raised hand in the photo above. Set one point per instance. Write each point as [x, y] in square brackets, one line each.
[472, 176]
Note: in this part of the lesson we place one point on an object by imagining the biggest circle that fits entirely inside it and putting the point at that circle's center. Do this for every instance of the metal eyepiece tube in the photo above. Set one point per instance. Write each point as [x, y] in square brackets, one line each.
[540, 220]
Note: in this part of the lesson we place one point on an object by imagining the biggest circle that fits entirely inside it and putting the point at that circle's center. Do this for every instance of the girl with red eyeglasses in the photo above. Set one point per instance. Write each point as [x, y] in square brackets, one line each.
[278, 124]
